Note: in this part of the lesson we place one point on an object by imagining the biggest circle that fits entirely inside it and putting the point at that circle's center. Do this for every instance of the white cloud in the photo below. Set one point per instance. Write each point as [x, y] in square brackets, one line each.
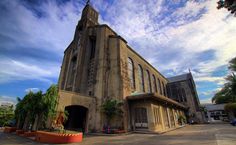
[32, 90]
[170, 42]
[210, 32]
[206, 101]
[210, 93]
[175, 43]
[218, 80]
[13, 70]
[7, 99]
[50, 33]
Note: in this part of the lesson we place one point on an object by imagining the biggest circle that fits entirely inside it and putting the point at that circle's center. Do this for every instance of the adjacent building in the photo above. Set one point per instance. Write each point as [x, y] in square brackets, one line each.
[215, 113]
[182, 89]
[99, 65]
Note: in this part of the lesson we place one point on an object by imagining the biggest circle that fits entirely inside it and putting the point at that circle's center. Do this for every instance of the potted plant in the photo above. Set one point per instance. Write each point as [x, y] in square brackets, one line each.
[111, 108]
[181, 120]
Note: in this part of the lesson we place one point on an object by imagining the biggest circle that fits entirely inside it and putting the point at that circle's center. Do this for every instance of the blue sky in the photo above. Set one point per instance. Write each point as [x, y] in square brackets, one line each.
[173, 35]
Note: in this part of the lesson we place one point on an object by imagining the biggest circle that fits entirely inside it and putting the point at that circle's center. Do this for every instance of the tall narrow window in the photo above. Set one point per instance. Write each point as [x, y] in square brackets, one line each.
[164, 89]
[159, 84]
[92, 46]
[140, 78]
[149, 88]
[184, 95]
[154, 84]
[131, 73]
[91, 63]
[72, 71]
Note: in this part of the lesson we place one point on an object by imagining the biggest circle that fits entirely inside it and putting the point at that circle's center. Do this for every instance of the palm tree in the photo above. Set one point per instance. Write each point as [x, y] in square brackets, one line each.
[232, 64]
[230, 5]
[35, 108]
[33, 105]
[20, 113]
[228, 93]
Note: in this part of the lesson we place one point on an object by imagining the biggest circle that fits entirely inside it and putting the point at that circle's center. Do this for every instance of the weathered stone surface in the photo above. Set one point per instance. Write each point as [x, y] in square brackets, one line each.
[95, 68]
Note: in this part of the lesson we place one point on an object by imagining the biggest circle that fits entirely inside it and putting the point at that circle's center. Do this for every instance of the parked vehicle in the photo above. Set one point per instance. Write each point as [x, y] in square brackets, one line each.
[233, 122]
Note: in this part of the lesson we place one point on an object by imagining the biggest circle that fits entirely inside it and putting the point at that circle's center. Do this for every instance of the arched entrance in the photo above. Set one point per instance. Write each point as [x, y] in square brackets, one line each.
[77, 118]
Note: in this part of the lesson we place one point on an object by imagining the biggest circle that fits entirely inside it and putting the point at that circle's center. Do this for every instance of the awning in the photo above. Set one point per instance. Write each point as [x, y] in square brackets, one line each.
[154, 96]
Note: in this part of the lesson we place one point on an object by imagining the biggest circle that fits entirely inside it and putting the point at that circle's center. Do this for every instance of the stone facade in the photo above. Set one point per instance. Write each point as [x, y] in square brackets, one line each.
[99, 65]
[182, 89]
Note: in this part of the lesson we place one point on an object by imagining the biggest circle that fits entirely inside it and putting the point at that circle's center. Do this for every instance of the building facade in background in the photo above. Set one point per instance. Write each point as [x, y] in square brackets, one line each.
[183, 90]
[99, 65]
[215, 113]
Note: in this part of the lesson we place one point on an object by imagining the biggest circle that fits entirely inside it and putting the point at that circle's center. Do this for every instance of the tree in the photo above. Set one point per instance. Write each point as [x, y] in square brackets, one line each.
[230, 106]
[223, 96]
[111, 108]
[28, 109]
[6, 115]
[232, 64]
[20, 113]
[35, 108]
[228, 4]
[231, 109]
[228, 93]
[50, 103]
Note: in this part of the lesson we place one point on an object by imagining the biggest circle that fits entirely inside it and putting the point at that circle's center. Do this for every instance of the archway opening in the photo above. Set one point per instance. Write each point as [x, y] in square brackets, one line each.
[77, 118]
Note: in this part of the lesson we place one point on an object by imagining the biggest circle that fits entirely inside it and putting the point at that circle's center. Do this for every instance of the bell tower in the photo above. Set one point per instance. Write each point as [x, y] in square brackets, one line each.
[89, 17]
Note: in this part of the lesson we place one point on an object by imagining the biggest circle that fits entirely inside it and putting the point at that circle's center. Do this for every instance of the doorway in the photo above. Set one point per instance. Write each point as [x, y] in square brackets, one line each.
[77, 118]
[141, 121]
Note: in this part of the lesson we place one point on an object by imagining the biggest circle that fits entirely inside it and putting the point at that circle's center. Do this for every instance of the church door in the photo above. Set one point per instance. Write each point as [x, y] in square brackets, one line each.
[141, 120]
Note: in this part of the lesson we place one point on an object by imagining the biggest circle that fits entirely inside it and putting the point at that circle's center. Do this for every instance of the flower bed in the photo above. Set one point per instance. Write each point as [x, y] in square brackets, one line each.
[50, 137]
[9, 129]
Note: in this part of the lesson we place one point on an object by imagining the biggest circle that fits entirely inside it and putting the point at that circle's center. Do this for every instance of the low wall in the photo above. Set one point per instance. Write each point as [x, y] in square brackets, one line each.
[29, 134]
[50, 137]
[18, 132]
[9, 129]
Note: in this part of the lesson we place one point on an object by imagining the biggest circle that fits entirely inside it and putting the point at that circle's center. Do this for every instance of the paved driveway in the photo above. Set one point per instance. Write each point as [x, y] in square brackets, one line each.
[217, 134]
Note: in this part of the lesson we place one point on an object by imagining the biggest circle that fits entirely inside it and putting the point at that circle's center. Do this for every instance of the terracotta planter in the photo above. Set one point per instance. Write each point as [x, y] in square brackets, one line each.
[18, 132]
[29, 134]
[9, 129]
[50, 137]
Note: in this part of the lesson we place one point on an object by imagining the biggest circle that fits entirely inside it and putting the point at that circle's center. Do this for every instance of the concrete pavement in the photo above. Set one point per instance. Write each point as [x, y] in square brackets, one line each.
[209, 134]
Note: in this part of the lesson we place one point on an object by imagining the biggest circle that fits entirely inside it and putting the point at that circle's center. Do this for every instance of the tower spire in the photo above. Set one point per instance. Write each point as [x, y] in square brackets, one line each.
[88, 1]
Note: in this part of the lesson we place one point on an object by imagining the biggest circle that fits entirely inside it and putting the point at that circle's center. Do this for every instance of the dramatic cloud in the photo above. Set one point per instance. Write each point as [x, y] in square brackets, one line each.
[7, 99]
[13, 70]
[195, 35]
[33, 37]
[173, 35]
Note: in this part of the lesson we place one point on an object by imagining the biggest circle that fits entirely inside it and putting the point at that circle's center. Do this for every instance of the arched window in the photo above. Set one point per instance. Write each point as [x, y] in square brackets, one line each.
[159, 84]
[131, 73]
[164, 89]
[154, 84]
[92, 47]
[140, 78]
[149, 88]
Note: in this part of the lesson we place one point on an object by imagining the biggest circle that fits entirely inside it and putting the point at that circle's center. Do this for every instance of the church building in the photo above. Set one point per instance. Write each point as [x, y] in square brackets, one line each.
[98, 65]
[182, 89]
